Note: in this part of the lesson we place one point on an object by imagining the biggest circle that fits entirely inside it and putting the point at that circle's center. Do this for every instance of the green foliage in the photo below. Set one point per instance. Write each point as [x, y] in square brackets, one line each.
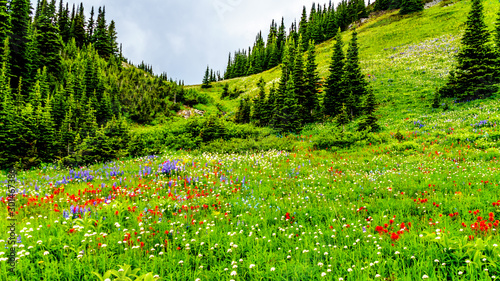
[206, 79]
[332, 102]
[475, 75]
[411, 6]
[109, 142]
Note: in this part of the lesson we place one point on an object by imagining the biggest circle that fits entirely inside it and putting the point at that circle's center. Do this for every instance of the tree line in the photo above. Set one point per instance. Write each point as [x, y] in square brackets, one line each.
[295, 101]
[65, 88]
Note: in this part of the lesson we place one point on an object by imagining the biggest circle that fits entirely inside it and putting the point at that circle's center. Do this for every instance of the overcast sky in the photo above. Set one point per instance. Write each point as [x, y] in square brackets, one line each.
[181, 37]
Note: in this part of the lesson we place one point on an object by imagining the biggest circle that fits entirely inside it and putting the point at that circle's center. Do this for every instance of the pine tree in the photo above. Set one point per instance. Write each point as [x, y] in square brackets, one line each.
[259, 103]
[304, 29]
[299, 90]
[48, 43]
[225, 91]
[77, 30]
[333, 92]
[113, 37]
[312, 81]
[102, 41]
[4, 24]
[270, 109]
[343, 117]
[475, 74]
[370, 120]
[354, 82]
[19, 40]
[7, 113]
[90, 27]
[206, 79]
[63, 22]
[411, 6]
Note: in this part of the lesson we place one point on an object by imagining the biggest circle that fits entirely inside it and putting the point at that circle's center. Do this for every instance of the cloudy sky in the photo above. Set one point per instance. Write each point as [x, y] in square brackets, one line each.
[181, 37]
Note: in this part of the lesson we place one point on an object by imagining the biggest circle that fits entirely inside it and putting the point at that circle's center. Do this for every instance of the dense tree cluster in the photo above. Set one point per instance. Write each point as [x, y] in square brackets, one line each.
[294, 102]
[320, 25]
[477, 73]
[65, 89]
[405, 6]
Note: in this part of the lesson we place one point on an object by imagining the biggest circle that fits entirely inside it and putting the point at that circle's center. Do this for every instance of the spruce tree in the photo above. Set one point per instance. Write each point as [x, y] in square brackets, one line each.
[299, 90]
[259, 103]
[411, 6]
[206, 79]
[311, 89]
[113, 37]
[333, 93]
[64, 23]
[353, 81]
[4, 24]
[304, 29]
[77, 30]
[19, 40]
[48, 43]
[7, 114]
[102, 41]
[343, 117]
[370, 120]
[91, 27]
[474, 76]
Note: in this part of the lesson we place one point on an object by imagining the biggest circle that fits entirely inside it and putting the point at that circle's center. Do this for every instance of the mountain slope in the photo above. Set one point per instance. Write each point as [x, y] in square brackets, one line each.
[405, 58]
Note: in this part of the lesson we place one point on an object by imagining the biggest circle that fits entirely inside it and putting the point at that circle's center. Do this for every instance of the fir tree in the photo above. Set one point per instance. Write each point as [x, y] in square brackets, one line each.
[304, 29]
[113, 37]
[4, 24]
[343, 117]
[333, 92]
[259, 103]
[370, 120]
[63, 22]
[225, 91]
[19, 40]
[299, 91]
[311, 89]
[411, 6]
[475, 74]
[77, 30]
[206, 79]
[90, 27]
[353, 81]
[48, 43]
[102, 41]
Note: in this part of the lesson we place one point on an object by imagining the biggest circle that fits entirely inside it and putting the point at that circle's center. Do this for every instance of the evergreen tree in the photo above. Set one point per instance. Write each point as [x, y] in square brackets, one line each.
[411, 6]
[19, 40]
[77, 30]
[48, 43]
[343, 117]
[90, 27]
[243, 113]
[7, 113]
[333, 92]
[102, 41]
[370, 120]
[4, 24]
[353, 81]
[206, 79]
[225, 91]
[475, 74]
[299, 90]
[259, 104]
[113, 37]
[311, 86]
[304, 29]
[63, 22]
[270, 109]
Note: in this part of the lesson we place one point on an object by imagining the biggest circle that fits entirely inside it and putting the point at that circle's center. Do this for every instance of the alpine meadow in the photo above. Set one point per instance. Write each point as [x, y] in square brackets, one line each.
[360, 143]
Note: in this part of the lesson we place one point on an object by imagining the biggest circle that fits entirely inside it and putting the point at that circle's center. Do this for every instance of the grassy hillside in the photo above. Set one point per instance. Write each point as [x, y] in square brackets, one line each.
[405, 58]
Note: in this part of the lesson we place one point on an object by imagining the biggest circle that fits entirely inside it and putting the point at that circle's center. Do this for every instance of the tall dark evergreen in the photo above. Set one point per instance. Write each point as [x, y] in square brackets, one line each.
[206, 79]
[299, 83]
[370, 120]
[411, 6]
[64, 22]
[304, 29]
[4, 23]
[259, 103]
[475, 75]
[333, 98]
[353, 82]
[102, 42]
[77, 30]
[91, 27]
[311, 87]
[19, 40]
[113, 38]
[48, 42]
